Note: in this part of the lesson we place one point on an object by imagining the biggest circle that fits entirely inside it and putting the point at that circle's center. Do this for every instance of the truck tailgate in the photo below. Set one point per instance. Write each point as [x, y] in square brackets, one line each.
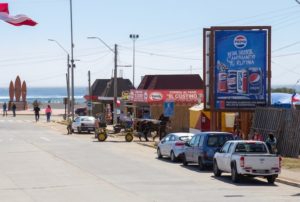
[261, 162]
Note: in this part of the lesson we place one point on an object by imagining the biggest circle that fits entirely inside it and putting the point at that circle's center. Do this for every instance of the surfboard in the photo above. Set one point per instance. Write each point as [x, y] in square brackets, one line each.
[18, 89]
[24, 91]
[11, 91]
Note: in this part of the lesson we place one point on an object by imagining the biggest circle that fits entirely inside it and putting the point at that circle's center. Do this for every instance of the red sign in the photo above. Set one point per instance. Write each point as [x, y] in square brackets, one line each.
[156, 96]
[92, 97]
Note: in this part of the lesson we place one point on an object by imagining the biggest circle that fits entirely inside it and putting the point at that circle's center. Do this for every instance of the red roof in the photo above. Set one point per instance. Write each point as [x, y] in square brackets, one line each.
[176, 82]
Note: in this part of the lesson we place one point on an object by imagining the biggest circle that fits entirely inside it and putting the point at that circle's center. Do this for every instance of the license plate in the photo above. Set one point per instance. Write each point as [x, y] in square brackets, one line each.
[91, 128]
[260, 171]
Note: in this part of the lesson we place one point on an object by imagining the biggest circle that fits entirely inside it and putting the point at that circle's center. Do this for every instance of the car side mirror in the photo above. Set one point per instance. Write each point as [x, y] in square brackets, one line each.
[187, 144]
[219, 150]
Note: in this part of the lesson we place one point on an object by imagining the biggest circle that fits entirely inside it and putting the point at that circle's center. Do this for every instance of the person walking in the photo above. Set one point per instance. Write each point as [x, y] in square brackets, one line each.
[69, 125]
[4, 109]
[14, 108]
[48, 112]
[36, 110]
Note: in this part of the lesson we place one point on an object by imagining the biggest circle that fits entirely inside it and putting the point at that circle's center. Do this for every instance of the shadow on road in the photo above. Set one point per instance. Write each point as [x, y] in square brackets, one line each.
[244, 181]
[195, 168]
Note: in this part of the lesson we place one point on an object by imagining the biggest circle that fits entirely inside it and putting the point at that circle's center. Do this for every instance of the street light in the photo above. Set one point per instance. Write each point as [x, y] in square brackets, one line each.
[115, 75]
[68, 71]
[134, 37]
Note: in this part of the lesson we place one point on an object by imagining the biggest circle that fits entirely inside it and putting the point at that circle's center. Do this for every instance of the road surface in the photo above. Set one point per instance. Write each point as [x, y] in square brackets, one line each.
[42, 164]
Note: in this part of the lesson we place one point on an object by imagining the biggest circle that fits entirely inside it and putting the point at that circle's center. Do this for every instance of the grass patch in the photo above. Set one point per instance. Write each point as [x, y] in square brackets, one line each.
[291, 163]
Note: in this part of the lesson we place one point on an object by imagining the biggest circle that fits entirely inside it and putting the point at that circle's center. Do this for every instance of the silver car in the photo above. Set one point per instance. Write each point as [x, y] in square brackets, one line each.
[83, 123]
[173, 145]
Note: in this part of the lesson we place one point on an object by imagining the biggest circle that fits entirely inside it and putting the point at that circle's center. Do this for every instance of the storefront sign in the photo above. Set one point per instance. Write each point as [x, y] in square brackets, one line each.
[158, 96]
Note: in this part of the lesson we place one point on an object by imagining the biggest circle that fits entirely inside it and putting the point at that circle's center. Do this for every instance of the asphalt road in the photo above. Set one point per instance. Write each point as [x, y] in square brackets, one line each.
[41, 164]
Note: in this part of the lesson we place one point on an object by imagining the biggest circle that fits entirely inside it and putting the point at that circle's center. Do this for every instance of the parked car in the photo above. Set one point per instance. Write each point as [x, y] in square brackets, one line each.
[82, 111]
[83, 123]
[202, 147]
[173, 145]
[251, 158]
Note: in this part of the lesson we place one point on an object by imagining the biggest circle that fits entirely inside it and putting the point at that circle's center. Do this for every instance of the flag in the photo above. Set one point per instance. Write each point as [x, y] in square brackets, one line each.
[295, 98]
[17, 20]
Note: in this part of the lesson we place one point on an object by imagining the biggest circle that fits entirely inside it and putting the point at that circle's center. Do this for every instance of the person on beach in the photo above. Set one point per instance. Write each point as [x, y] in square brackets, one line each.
[48, 112]
[4, 109]
[13, 108]
[37, 113]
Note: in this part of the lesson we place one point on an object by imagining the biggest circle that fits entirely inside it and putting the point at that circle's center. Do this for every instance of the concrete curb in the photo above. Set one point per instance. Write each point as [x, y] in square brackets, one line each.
[288, 182]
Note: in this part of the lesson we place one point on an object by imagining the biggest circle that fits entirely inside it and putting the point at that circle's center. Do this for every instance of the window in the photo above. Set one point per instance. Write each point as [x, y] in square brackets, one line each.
[251, 147]
[185, 138]
[193, 140]
[201, 141]
[225, 148]
[218, 140]
[172, 138]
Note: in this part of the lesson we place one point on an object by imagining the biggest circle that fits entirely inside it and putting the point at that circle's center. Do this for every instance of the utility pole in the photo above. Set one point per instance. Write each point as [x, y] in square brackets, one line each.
[68, 84]
[72, 61]
[90, 93]
[115, 84]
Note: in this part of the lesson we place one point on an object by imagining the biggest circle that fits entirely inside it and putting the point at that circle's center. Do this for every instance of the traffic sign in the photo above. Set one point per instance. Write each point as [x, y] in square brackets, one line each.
[89, 105]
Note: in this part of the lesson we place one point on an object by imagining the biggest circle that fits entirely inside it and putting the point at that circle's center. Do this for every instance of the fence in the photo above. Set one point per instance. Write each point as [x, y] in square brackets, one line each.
[284, 124]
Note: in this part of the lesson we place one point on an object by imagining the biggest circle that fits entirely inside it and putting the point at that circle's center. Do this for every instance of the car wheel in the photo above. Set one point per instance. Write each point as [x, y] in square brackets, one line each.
[217, 171]
[173, 157]
[271, 179]
[159, 153]
[201, 165]
[79, 130]
[235, 177]
[184, 161]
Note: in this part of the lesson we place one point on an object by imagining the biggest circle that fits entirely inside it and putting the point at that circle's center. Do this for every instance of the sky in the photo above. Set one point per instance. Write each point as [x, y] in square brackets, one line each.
[170, 37]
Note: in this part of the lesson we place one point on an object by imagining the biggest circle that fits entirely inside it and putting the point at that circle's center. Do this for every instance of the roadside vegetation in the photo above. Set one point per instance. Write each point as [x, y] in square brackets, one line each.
[291, 163]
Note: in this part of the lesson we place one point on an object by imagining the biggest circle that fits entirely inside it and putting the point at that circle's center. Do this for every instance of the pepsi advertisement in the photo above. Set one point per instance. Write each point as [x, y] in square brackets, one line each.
[240, 69]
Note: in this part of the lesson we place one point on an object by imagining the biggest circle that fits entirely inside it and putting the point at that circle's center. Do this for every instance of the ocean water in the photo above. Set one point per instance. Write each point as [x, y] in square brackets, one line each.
[47, 94]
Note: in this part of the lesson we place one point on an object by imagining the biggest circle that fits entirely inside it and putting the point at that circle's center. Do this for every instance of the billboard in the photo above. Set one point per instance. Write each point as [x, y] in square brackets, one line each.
[240, 69]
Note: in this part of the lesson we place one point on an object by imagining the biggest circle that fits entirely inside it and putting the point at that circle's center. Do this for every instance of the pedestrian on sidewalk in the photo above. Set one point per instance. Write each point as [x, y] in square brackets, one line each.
[48, 112]
[37, 113]
[13, 108]
[257, 136]
[69, 125]
[4, 109]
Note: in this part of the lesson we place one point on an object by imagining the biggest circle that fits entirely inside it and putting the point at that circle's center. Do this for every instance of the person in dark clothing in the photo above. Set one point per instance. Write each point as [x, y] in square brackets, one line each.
[162, 126]
[143, 128]
[271, 143]
[13, 108]
[37, 113]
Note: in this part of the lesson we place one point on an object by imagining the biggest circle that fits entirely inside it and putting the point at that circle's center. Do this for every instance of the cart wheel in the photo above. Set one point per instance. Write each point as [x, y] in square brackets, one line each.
[102, 137]
[128, 137]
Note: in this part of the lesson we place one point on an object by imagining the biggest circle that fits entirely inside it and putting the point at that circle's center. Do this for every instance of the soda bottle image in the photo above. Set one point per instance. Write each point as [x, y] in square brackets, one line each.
[222, 82]
[255, 80]
[242, 81]
[231, 81]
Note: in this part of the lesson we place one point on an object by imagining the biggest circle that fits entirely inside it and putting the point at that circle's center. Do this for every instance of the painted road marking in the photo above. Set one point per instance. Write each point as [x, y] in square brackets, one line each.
[46, 139]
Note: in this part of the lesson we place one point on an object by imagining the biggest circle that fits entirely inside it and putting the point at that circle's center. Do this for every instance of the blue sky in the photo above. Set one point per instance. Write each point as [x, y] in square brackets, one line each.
[170, 37]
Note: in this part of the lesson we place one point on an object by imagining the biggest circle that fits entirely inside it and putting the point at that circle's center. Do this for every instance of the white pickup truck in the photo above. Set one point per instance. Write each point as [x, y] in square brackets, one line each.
[243, 157]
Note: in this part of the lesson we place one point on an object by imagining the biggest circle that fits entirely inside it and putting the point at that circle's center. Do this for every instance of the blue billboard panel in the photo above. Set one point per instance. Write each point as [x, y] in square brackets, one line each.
[240, 70]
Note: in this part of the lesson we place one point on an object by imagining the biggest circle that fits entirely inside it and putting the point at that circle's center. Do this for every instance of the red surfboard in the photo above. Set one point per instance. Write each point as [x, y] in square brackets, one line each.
[18, 88]
[24, 91]
[11, 91]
